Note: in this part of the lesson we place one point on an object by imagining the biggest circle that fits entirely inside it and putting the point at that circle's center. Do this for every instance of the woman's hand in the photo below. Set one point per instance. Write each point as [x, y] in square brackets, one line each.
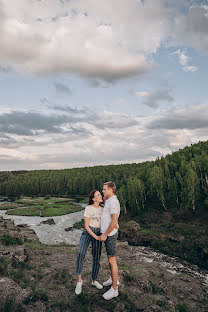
[97, 238]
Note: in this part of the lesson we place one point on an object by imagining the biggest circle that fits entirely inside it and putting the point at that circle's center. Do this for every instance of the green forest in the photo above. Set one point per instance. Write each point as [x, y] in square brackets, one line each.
[178, 181]
[168, 197]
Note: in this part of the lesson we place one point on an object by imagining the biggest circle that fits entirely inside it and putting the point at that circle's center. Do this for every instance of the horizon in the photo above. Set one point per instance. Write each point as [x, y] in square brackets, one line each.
[103, 165]
[87, 83]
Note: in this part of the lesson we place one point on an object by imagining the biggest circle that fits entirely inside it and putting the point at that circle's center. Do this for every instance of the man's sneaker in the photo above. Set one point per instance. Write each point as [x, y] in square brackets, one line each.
[109, 282]
[111, 293]
[78, 288]
[97, 285]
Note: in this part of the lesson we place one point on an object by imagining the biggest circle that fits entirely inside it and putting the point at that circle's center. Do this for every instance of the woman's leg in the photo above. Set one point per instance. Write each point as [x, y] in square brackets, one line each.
[96, 253]
[83, 245]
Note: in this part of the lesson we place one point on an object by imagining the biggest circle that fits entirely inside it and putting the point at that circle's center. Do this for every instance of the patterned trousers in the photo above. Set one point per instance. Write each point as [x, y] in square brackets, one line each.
[84, 242]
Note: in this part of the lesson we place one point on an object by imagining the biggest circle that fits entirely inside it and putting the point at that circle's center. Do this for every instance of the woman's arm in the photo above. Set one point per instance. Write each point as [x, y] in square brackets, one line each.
[88, 229]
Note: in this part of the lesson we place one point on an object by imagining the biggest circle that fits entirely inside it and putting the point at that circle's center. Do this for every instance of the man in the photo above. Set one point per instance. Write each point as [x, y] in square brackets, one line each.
[109, 230]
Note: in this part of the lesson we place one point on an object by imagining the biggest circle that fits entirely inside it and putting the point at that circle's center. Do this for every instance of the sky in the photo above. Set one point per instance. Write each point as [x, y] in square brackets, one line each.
[98, 82]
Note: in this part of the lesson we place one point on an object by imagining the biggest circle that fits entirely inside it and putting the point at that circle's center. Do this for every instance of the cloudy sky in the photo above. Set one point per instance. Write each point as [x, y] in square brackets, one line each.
[89, 82]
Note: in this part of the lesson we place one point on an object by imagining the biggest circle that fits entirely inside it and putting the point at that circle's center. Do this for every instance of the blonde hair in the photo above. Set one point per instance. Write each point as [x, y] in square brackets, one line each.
[111, 185]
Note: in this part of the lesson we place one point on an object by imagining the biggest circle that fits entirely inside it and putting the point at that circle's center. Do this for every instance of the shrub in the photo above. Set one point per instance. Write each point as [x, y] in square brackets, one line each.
[7, 240]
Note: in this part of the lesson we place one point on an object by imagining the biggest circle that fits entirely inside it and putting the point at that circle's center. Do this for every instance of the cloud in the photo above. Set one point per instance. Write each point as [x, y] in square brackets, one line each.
[142, 93]
[108, 120]
[154, 99]
[184, 61]
[94, 139]
[61, 88]
[190, 117]
[31, 123]
[191, 27]
[94, 40]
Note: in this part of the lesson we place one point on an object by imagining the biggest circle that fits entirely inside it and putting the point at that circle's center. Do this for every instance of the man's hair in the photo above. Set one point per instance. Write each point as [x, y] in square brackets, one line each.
[111, 185]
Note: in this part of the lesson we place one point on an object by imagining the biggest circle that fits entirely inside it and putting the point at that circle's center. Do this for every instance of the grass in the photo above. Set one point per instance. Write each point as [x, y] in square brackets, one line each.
[79, 225]
[46, 210]
[7, 240]
[182, 307]
[11, 306]
[41, 206]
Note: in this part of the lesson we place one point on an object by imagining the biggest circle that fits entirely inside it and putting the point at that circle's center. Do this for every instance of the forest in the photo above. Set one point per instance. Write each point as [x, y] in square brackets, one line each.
[176, 182]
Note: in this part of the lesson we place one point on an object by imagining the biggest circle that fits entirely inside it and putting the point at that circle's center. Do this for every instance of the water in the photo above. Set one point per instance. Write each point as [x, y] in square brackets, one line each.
[51, 234]
[172, 265]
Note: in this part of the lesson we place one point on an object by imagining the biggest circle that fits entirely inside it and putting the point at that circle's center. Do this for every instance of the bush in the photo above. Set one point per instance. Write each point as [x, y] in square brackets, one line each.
[7, 240]
[47, 197]
[182, 307]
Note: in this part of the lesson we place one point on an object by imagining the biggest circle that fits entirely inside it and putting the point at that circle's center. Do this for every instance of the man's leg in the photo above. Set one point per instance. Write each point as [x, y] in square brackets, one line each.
[114, 271]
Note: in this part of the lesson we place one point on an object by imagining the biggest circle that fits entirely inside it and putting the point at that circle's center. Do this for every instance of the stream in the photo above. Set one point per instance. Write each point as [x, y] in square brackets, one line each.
[56, 234]
[51, 234]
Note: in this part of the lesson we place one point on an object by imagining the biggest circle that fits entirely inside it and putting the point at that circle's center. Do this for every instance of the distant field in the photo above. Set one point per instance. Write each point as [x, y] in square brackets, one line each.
[39, 206]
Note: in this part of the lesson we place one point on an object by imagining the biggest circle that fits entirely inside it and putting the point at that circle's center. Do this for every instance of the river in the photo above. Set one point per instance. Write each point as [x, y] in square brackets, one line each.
[51, 234]
[56, 234]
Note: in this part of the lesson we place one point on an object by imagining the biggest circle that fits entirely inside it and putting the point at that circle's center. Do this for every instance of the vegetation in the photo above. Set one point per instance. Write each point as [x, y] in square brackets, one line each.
[45, 207]
[168, 197]
[176, 182]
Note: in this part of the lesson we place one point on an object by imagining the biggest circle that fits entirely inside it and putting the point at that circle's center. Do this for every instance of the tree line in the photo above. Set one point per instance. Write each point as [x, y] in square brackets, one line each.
[177, 181]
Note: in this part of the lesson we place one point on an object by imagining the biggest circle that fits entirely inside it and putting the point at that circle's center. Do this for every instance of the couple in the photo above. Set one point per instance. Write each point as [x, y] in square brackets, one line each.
[101, 225]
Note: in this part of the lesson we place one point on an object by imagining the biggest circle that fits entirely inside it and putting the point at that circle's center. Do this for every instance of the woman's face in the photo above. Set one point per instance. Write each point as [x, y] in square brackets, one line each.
[97, 197]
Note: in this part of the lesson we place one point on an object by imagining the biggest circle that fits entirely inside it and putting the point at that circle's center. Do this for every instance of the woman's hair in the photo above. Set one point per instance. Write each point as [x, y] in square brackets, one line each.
[91, 196]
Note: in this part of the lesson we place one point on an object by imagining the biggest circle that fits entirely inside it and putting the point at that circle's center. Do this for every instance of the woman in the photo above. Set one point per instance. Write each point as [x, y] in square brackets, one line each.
[91, 234]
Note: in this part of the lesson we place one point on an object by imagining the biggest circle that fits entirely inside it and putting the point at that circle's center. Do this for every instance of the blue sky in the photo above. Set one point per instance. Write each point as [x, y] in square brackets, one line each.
[87, 82]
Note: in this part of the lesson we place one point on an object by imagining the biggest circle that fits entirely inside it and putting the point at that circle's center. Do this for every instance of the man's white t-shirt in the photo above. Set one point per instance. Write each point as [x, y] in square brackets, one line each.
[112, 206]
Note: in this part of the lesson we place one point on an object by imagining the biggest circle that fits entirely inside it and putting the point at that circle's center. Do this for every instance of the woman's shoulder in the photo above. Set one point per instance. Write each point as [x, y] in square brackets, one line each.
[88, 207]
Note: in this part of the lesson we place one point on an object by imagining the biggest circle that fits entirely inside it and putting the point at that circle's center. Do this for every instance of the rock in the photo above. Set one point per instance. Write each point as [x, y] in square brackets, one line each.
[179, 238]
[1, 218]
[49, 221]
[10, 225]
[18, 255]
[70, 228]
[22, 225]
[130, 232]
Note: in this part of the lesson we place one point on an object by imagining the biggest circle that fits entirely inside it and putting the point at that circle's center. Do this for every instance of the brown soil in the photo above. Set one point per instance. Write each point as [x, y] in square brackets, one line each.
[36, 277]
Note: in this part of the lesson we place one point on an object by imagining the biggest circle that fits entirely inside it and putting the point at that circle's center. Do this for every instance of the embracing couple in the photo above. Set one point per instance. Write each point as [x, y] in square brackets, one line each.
[101, 225]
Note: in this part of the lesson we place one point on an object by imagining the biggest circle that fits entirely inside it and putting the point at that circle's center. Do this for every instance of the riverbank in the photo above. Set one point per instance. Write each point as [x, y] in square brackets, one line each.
[37, 277]
[186, 238]
[42, 206]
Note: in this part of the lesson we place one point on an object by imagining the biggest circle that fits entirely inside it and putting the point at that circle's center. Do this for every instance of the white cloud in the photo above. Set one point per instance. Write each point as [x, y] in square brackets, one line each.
[142, 93]
[108, 138]
[93, 39]
[184, 60]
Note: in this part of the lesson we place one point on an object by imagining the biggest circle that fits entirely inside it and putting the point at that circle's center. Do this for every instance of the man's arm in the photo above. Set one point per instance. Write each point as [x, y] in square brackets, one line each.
[113, 225]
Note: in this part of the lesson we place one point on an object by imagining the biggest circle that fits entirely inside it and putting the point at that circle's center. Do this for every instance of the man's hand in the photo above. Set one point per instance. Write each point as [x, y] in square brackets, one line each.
[103, 237]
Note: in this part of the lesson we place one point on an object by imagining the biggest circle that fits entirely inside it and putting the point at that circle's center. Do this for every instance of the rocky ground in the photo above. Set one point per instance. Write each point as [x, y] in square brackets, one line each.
[36, 277]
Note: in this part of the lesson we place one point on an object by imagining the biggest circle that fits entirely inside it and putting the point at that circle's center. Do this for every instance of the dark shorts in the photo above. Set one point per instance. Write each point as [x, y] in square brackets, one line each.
[110, 245]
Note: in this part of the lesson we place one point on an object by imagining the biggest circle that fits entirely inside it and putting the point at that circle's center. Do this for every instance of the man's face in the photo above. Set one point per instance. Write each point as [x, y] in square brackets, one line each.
[107, 192]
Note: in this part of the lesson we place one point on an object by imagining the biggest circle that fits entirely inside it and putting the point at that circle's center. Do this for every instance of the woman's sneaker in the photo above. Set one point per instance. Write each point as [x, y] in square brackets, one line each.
[97, 285]
[78, 288]
[111, 293]
[109, 282]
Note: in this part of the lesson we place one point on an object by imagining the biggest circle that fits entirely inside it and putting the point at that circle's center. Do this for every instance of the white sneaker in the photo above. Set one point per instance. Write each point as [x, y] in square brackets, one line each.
[78, 288]
[111, 293]
[109, 282]
[97, 285]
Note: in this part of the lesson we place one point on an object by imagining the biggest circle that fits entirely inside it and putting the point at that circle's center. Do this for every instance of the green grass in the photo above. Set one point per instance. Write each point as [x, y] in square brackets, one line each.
[46, 210]
[7, 240]
[84, 200]
[79, 225]
[35, 245]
